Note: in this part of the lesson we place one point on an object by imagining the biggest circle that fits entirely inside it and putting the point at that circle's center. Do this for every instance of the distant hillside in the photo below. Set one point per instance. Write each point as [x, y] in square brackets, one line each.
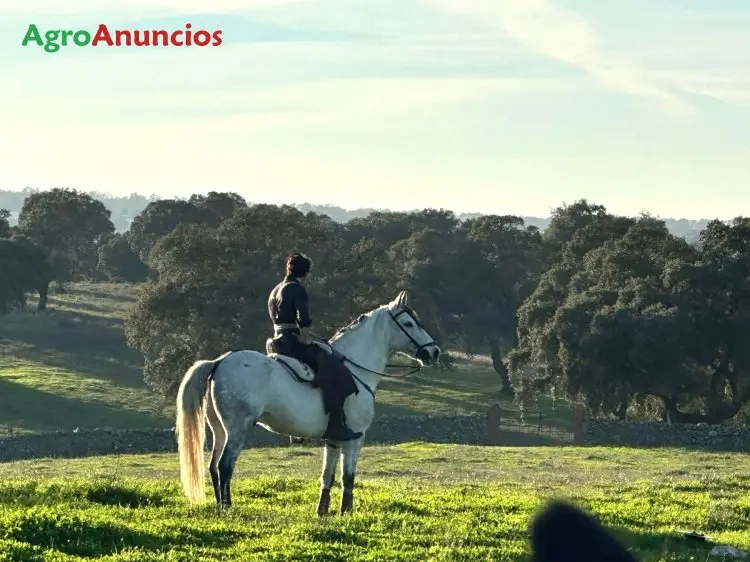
[124, 209]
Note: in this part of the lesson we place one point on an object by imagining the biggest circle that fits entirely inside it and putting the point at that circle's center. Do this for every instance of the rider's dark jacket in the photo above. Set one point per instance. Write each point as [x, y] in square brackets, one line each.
[288, 307]
[289, 311]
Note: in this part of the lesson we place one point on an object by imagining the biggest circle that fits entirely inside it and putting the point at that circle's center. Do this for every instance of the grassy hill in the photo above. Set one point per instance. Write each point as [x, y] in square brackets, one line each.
[70, 367]
[412, 502]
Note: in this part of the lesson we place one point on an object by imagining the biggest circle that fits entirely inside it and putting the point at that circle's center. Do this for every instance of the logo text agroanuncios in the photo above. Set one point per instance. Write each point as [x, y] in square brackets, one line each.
[53, 39]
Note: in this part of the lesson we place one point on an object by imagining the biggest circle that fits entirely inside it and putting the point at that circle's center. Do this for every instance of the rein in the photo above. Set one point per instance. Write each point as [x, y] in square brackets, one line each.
[419, 347]
[384, 375]
[387, 375]
[388, 365]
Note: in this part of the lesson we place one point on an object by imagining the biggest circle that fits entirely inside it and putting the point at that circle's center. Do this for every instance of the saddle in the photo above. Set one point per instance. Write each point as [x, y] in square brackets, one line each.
[333, 378]
[299, 369]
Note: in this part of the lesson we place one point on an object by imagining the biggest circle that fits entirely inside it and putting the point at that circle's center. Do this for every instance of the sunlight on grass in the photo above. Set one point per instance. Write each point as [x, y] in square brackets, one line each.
[38, 396]
[412, 502]
[109, 300]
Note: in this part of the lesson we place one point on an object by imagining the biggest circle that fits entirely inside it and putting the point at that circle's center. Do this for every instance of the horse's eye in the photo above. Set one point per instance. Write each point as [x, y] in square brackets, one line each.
[408, 325]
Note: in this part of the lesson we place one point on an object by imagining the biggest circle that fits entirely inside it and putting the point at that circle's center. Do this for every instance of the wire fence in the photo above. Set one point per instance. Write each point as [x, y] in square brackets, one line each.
[535, 428]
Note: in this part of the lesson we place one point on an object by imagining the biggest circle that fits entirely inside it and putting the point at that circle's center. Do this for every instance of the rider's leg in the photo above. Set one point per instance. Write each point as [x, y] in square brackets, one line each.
[335, 390]
[337, 429]
[334, 393]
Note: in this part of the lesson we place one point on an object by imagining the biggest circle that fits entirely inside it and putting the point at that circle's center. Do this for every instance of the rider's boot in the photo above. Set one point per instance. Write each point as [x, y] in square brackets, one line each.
[337, 428]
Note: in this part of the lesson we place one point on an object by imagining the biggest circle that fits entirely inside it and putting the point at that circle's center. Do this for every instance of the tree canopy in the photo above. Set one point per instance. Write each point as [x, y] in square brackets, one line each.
[617, 312]
[70, 226]
[630, 313]
[4, 223]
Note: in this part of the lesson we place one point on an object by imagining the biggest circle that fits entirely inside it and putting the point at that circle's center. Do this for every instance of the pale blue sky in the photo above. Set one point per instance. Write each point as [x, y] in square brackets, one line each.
[512, 106]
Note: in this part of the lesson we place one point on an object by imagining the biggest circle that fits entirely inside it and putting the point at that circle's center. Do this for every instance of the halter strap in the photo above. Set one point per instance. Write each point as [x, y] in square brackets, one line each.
[413, 316]
[419, 347]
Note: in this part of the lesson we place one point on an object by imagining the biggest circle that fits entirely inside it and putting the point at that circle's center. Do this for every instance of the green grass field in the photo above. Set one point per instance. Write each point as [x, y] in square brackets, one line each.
[70, 367]
[412, 502]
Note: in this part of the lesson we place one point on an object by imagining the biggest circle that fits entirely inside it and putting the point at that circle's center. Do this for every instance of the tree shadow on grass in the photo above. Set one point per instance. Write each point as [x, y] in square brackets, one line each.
[77, 536]
[82, 343]
[36, 410]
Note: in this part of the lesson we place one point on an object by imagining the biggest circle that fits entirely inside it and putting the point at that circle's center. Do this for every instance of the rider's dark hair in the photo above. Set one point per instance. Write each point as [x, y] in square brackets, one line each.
[297, 265]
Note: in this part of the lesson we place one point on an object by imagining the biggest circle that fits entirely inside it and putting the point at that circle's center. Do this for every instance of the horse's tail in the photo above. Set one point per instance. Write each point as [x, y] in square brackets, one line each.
[191, 428]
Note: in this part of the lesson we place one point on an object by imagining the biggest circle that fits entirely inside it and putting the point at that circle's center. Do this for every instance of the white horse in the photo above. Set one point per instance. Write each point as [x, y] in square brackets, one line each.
[243, 388]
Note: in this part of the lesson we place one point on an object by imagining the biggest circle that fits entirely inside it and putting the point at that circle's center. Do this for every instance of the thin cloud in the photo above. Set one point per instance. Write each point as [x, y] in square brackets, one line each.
[295, 104]
[567, 37]
[731, 85]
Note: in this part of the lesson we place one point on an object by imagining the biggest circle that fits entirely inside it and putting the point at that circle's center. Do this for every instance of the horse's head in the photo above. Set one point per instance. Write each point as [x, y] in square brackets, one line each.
[408, 335]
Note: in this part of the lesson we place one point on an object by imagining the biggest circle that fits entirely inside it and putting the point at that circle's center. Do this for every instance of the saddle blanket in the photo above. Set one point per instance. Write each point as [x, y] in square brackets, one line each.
[300, 370]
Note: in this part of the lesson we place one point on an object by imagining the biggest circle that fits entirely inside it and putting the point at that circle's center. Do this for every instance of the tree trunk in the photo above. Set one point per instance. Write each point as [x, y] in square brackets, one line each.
[500, 368]
[43, 293]
[622, 410]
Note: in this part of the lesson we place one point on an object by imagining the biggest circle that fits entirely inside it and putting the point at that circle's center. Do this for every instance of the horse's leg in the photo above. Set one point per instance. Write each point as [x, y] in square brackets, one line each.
[220, 441]
[330, 459]
[237, 400]
[226, 467]
[350, 456]
[236, 430]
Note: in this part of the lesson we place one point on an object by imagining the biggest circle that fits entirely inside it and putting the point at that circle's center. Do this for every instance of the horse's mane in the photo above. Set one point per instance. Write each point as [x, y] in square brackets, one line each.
[354, 323]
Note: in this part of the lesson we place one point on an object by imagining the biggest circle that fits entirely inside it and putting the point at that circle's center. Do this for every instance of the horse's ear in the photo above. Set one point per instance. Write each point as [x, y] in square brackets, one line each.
[400, 300]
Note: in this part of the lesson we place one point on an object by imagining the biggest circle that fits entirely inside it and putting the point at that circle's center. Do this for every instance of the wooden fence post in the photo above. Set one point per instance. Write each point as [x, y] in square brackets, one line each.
[579, 425]
[493, 424]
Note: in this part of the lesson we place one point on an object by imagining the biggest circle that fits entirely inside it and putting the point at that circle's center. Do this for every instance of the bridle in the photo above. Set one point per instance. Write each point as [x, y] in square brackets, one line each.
[405, 309]
[418, 347]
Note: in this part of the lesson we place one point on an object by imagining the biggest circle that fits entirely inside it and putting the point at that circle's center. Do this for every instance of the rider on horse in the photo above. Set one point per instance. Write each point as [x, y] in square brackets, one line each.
[289, 311]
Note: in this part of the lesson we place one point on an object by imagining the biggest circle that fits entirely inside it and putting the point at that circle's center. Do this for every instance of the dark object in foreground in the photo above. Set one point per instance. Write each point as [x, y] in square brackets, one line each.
[564, 533]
